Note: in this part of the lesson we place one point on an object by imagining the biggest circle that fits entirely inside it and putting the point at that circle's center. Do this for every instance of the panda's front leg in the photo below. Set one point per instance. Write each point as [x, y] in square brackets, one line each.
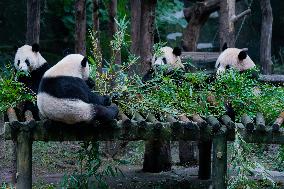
[103, 100]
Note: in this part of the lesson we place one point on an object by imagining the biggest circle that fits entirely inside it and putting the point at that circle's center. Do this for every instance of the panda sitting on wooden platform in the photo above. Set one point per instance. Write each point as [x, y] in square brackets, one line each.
[64, 95]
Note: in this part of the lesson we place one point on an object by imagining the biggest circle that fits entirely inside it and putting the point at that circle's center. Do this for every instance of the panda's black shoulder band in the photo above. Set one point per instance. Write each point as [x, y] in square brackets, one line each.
[84, 62]
[35, 47]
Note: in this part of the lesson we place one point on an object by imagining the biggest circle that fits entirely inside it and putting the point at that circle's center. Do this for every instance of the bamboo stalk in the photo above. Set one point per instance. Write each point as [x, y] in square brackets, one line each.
[248, 123]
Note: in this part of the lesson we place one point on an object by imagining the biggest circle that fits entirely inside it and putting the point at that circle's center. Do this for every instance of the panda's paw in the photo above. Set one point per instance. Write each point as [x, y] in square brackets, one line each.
[106, 113]
[106, 100]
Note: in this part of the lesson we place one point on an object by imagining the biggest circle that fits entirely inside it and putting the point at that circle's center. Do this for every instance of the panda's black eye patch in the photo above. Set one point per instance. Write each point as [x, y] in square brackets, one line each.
[27, 62]
[19, 62]
[155, 58]
[228, 67]
[164, 60]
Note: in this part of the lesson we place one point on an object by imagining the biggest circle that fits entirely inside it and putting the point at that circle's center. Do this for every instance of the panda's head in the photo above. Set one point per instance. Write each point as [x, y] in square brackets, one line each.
[74, 65]
[233, 58]
[28, 58]
[170, 57]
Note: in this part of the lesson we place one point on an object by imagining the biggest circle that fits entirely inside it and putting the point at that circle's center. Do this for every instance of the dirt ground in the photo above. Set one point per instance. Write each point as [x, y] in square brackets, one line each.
[52, 160]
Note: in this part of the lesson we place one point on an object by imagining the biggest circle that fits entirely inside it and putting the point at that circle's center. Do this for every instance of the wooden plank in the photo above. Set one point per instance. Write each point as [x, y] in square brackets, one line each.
[271, 78]
[200, 56]
[219, 167]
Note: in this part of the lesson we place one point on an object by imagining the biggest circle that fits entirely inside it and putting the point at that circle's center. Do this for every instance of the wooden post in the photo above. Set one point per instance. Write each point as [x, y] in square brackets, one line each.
[157, 156]
[33, 21]
[219, 167]
[24, 158]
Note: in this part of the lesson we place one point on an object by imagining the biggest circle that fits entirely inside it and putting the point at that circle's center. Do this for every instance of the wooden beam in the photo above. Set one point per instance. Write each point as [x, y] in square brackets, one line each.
[48, 130]
[271, 78]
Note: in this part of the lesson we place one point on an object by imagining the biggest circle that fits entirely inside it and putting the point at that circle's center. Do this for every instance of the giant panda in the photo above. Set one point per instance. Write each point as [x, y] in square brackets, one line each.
[64, 95]
[29, 60]
[233, 58]
[169, 57]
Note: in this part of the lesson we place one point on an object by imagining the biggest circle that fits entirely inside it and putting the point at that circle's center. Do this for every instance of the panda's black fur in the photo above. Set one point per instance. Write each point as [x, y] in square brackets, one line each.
[76, 102]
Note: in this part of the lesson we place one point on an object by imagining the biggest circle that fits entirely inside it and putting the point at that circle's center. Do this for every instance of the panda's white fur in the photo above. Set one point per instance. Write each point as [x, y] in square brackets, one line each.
[69, 66]
[229, 57]
[172, 60]
[26, 53]
[64, 95]
[64, 110]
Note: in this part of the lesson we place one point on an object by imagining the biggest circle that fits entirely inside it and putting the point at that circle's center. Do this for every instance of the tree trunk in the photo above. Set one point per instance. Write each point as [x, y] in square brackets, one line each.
[196, 16]
[147, 34]
[157, 156]
[266, 36]
[135, 6]
[96, 21]
[80, 27]
[112, 11]
[33, 21]
[135, 9]
[226, 24]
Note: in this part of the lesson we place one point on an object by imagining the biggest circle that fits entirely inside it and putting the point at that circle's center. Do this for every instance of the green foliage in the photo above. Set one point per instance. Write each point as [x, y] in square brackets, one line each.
[12, 92]
[165, 13]
[92, 166]
[242, 166]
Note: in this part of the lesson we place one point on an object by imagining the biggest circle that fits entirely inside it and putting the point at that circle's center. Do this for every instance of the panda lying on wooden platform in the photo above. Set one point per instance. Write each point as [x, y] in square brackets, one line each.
[64, 95]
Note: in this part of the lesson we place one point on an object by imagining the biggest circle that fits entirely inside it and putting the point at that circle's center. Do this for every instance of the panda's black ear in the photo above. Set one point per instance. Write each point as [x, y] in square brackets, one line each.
[225, 46]
[177, 51]
[35, 47]
[242, 55]
[84, 62]
[15, 48]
